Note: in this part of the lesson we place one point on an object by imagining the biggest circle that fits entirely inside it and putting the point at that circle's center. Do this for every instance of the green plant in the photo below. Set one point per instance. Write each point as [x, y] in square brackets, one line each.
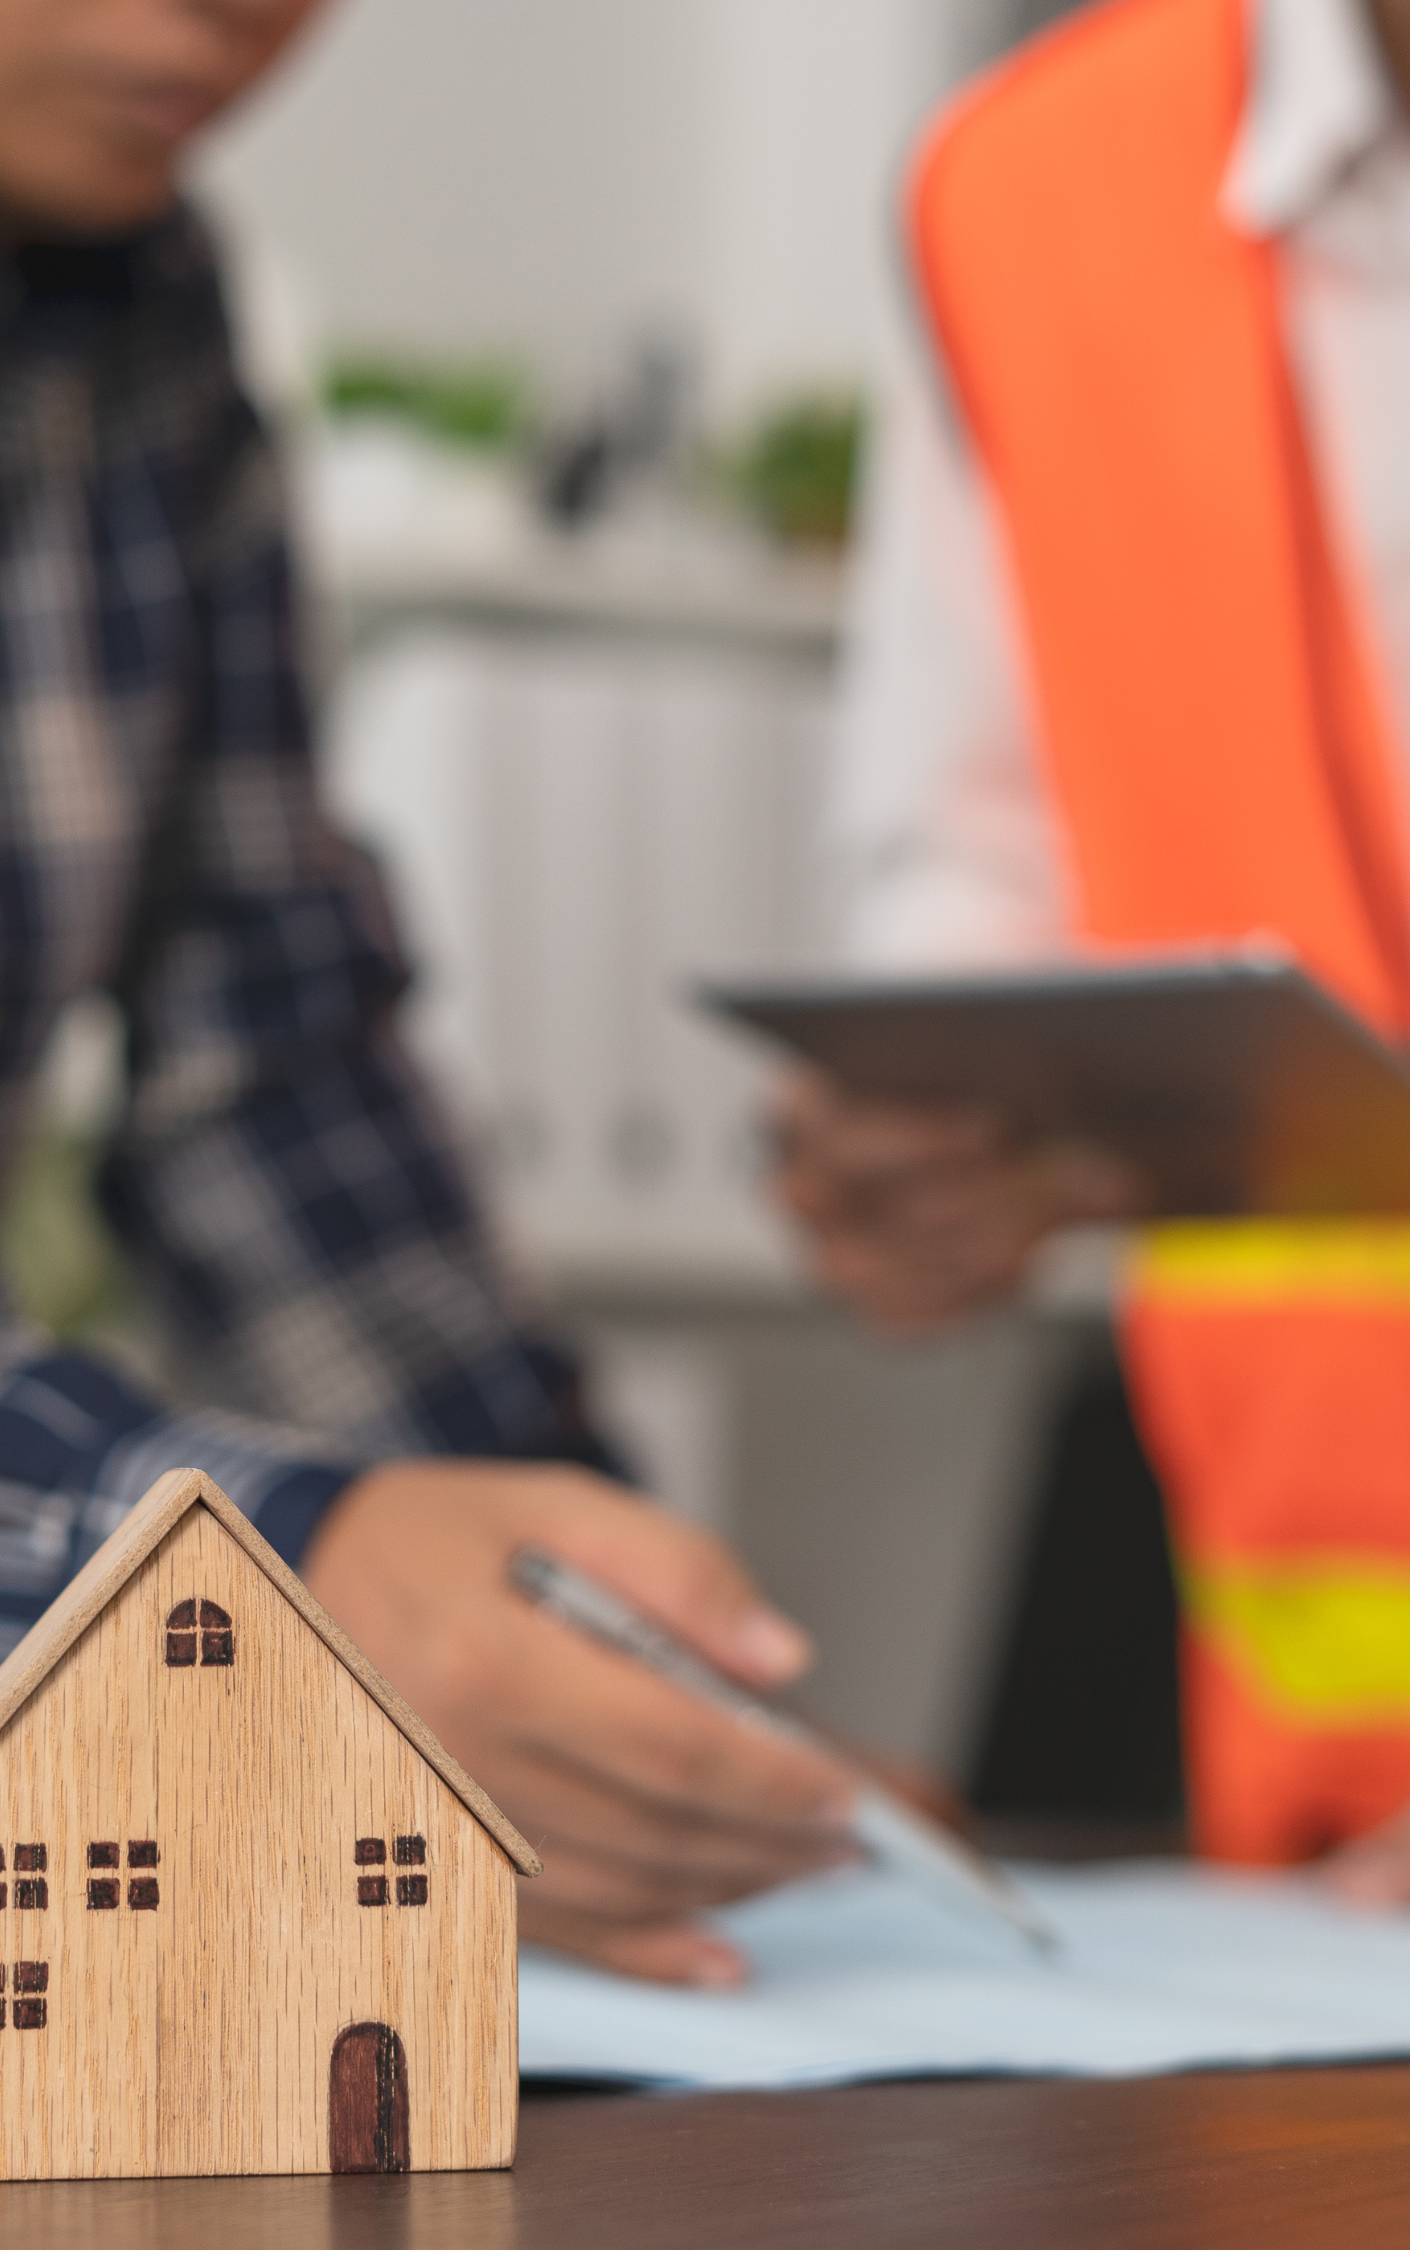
[484, 406]
[796, 470]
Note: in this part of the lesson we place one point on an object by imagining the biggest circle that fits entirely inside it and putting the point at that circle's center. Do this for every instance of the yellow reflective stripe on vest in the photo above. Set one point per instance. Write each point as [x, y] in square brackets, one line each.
[1327, 1638]
[1259, 1262]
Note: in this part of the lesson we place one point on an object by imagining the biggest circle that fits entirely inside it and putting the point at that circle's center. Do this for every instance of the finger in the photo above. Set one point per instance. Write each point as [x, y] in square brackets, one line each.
[671, 1952]
[597, 1883]
[608, 1717]
[897, 1196]
[980, 1233]
[1076, 1180]
[887, 1157]
[801, 1094]
[875, 1141]
[1374, 1874]
[679, 1575]
[811, 1192]
[1022, 1196]
[888, 1302]
[939, 1283]
[624, 1732]
[676, 1954]
[919, 1786]
[561, 1808]
[1060, 1184]
[917, 1216]
[817, 1124]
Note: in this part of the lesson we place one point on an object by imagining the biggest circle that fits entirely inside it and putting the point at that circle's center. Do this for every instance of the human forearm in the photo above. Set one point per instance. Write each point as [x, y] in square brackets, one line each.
[80, 1444]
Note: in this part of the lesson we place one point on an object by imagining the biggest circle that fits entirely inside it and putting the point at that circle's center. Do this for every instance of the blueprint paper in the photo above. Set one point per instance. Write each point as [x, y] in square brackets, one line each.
[1163, 1967]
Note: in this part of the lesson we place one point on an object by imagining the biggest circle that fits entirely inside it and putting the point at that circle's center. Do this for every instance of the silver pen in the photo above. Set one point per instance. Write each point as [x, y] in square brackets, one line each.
[929, 1856]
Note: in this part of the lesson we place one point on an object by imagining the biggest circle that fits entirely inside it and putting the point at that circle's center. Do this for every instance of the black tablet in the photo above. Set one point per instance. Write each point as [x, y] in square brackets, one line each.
[1235, 1082]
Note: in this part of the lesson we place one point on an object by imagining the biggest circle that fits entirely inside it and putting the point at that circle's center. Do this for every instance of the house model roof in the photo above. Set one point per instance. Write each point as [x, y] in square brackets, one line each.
[120, 1557]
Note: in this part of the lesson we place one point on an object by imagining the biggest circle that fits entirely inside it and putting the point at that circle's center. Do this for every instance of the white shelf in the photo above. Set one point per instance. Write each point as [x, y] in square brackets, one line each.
[398, 533]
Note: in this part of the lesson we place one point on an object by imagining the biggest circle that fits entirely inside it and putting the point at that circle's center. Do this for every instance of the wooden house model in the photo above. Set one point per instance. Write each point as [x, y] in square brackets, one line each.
[253, 1918]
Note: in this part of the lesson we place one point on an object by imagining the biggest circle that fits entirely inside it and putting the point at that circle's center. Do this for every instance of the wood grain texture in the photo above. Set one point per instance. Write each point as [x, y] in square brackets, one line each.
[1316, 2160]
[135, 1538]
[194, 2033]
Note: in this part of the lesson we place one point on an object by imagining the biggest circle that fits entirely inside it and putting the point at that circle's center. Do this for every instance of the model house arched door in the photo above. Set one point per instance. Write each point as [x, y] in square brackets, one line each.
[368, 2110]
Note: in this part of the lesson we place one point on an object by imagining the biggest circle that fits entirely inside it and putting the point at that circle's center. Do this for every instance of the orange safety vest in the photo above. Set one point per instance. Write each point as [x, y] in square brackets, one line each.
[1216, 745]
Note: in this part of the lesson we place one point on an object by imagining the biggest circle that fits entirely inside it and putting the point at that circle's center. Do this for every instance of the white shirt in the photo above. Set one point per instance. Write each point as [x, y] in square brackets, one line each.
[947, 849]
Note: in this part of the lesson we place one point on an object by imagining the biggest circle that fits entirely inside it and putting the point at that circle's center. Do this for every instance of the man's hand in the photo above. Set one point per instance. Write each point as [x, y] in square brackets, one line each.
[1375, 1870]
[646, 1804]
[920, 1213]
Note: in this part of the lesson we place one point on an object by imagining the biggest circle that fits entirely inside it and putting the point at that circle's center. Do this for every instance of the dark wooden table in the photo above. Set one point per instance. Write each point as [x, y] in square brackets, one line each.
[1300, 2160]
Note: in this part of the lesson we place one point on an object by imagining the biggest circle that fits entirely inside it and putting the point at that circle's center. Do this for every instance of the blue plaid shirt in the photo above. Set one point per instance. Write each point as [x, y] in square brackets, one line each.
[279, 1177]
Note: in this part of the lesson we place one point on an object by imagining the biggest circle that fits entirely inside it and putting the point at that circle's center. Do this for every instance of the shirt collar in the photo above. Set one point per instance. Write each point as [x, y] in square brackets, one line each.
[1321, 98]
[170, 252]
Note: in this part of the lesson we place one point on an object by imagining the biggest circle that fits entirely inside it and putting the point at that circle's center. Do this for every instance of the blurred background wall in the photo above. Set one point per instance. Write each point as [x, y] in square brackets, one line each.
[556, 176]
[581, 651]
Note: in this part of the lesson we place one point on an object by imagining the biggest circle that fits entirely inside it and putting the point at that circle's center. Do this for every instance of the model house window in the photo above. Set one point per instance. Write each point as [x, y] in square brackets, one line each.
[199, 1632]
[31, 1982]
[371, 1851]
[411, 1852]
[217, 1639]
[31, 2009]
[181, 1635]
[407, 1851]
[31, 1891]
[142, 1891]
[105, 1891]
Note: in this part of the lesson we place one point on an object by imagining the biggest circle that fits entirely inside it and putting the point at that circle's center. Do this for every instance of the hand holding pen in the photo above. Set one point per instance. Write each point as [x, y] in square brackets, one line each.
[647, 1805]
[927, 1856]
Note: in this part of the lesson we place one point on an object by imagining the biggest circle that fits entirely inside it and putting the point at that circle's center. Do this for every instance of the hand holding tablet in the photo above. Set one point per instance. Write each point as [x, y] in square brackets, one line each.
[958, 1121]
[920, 1212]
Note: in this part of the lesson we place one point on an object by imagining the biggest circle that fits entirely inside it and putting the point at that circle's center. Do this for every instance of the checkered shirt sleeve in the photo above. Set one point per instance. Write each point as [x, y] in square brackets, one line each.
[281, 1177]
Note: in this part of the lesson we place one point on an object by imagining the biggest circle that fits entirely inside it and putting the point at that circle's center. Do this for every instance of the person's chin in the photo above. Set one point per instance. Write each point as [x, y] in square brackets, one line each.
[89, 198]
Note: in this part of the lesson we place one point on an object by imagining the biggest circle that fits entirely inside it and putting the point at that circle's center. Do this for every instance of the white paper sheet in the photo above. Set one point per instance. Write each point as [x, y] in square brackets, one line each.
[1163, 1967]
